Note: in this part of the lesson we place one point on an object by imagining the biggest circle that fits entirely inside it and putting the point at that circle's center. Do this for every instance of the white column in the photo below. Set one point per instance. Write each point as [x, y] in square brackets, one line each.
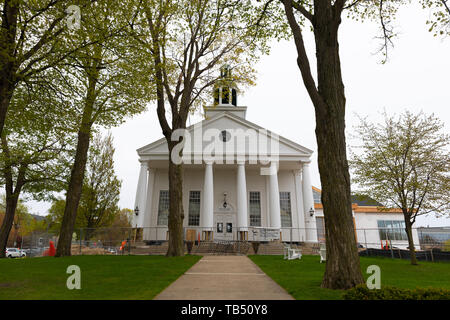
[275, 218]
[299, 201]
[147, 215]
[140, 196]
[308, 204]
[206, 216]
[242, 215]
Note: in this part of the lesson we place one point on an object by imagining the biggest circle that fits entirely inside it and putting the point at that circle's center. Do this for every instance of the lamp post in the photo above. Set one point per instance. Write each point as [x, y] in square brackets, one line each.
[136, 212]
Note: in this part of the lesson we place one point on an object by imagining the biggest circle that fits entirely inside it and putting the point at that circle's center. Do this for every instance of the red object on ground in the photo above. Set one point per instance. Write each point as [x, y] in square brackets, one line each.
[50, 252]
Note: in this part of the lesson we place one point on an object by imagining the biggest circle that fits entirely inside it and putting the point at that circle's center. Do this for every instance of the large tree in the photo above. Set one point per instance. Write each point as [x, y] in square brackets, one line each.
[405, 163]
[107, 84]
[31, 41]
[24, 222]
[101, 187]
[326, 91]
[36, 146]
[187, 42]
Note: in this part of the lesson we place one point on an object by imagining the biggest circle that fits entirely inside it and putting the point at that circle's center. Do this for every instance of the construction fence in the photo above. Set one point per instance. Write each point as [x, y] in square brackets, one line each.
[431, 244]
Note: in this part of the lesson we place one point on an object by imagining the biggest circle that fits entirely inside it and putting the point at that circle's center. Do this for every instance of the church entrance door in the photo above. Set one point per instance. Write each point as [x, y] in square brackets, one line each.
[224, 225]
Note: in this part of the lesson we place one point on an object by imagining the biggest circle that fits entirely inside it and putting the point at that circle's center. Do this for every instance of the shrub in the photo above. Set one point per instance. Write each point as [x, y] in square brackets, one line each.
[361, 292]
[447, 245]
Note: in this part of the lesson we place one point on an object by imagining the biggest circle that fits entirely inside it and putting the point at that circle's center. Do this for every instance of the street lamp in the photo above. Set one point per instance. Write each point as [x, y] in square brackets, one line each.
[136, 211]
[311, 211]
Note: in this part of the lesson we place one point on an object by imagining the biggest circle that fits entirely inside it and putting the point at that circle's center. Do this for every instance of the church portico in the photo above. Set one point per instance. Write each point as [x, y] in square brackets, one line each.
[241, 181]
[227, 201]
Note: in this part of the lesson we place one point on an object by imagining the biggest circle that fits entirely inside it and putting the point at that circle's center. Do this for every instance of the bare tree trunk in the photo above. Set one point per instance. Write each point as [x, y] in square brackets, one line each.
[342, 267]
[6, 92]
[412, 249]
[176, 212]
[7, 62]
[11, 205]
[73, 194]
[77, 174]
[12, 194]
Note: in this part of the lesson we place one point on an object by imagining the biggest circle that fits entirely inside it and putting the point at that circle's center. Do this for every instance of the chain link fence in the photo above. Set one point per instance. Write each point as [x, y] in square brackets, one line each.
[431, 244]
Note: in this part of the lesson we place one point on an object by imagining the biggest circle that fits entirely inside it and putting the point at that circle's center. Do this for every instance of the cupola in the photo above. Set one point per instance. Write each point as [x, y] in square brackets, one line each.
[225, 95]
[225, 90]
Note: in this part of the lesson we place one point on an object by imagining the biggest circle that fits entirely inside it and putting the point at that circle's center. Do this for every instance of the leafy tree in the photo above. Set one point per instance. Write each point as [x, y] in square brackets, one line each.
[101, 188]
[23, 224]
[107, 82]
[405, 164]
[326, 91]
[98, 206]
[119, 229]
[31, 42]
[55, 215]
[186, 42]
[447, 246]
[36, 149]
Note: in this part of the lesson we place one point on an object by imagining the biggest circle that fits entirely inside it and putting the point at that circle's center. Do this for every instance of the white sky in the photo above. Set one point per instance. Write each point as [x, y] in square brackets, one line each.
[416, 77]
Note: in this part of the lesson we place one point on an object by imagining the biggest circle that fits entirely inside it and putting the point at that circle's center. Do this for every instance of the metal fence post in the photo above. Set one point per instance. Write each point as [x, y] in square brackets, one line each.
[129, 241]
[390, 245]
[365, 240]
[81, 236]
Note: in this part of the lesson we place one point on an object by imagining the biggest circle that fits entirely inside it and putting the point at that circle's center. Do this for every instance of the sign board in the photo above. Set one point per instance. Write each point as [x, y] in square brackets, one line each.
[265, 234]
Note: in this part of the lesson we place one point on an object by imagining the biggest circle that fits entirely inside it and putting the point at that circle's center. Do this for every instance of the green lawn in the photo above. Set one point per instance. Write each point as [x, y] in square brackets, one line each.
[102, 277]
[302, 278]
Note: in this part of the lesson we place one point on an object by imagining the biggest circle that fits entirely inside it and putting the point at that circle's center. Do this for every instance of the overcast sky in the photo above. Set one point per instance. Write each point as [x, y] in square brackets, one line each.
[416, 77]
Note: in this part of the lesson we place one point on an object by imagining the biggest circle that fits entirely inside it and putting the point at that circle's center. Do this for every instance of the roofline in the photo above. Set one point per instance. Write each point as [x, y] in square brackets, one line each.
[366, 209]
[359, 208]
[238, 119]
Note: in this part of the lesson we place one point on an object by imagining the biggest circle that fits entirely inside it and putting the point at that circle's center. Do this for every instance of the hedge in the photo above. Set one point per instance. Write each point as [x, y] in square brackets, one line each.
[361, 292]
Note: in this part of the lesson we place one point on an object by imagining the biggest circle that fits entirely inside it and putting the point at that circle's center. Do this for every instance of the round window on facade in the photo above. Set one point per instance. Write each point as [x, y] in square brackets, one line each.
[225, 136]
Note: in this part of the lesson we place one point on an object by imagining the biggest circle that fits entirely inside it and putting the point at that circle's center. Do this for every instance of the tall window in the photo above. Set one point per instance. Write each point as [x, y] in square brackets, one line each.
[194, 208]
[255, 209]
[163, 208]
[285, 209]
[225, 95]
[392, 230]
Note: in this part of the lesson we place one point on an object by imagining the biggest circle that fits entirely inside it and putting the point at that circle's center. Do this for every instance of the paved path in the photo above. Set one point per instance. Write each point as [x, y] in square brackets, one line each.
[224, 278]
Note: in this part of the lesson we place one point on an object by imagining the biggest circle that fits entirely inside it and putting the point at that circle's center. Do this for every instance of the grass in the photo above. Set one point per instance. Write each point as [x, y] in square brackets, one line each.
[302, 278]
[143, 277]
[102, 277]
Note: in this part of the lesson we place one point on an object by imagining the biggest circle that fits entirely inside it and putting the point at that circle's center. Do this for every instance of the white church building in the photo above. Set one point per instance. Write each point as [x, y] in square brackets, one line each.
[241, 182]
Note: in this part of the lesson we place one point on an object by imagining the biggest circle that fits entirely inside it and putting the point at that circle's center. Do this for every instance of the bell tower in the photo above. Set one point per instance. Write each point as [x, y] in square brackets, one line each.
[225, 94]
[225, 90]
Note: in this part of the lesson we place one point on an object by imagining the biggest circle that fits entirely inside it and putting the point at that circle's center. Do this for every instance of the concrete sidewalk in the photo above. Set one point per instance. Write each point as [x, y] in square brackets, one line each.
[224, 278]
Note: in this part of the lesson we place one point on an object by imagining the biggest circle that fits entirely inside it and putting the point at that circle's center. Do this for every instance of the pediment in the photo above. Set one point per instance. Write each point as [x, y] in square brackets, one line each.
[245, 138]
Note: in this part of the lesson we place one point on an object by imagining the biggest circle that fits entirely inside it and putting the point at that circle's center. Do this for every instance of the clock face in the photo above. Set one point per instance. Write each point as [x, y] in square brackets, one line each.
[225, 136]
